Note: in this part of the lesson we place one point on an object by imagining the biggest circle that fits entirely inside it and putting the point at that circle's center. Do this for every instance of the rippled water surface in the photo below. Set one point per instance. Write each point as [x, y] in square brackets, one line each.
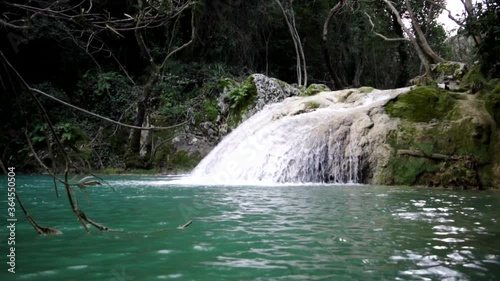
[257, 233]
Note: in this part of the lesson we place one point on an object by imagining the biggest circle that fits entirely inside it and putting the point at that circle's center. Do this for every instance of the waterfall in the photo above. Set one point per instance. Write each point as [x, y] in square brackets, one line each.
[326, 138]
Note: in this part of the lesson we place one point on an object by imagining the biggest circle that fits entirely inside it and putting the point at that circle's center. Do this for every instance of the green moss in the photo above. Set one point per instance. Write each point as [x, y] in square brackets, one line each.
[462, 133]
[461, 138]
[407, 170]
[421, 105]
[447, 68]
[492, 103]
[184, 161]
[366, 90]
[467, 138]
[459, 174]
[314, 89]
[473, 80]
[457, 96]
[312, 105]
[468, 142]
[423, 80]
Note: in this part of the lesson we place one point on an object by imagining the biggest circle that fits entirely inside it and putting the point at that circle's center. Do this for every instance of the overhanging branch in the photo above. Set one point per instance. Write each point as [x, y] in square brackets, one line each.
[28, 87]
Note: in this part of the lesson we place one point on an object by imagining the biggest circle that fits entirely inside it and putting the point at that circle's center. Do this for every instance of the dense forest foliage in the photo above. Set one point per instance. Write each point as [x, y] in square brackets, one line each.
[165, 63]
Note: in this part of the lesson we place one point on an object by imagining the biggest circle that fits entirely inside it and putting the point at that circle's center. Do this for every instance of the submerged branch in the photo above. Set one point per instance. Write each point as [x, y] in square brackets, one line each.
[185, 225]
[43, 230]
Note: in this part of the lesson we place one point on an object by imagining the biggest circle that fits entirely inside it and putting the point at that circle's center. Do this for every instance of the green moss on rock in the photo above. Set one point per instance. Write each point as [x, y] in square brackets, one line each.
[312, 105]
[366, 90]
[421, 105]
[407, 170]
[492, 103]
[314, 89]
[473, 80]
[467, 143]
[447, 68]
[460, 174]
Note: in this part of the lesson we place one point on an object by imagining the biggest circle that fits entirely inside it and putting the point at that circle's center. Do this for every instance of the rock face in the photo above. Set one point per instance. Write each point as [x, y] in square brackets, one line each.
[442, 139]
[269, 90]
[449, 74]
[410, 136]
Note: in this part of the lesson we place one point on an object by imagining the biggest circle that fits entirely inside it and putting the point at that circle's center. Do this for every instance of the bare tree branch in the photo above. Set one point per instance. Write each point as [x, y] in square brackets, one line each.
[450, 16]
[299, 51]
[193, 36]
[7, 24]
[382, 36]
[414, 42]
[337, 82]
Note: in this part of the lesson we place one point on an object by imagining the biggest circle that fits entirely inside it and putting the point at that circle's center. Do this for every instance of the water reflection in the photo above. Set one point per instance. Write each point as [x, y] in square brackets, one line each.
[450, 225]
[268, 233]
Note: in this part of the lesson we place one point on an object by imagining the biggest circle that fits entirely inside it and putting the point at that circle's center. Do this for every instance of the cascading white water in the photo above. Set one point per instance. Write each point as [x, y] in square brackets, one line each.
[316, 139]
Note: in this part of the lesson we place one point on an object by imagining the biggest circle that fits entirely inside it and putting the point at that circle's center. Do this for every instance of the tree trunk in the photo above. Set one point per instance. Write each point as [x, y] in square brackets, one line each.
[403, 73]
[132, 156]
[299, 51]
[413, 41]
[424, 45]
[360, 60]
[469, 8]
[324, 45]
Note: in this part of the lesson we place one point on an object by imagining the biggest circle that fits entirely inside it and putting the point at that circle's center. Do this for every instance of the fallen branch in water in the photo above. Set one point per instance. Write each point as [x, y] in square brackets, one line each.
[185, 225]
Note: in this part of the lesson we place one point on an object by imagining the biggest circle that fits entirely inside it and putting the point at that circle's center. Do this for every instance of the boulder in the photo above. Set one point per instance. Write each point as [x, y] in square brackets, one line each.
[449, 74]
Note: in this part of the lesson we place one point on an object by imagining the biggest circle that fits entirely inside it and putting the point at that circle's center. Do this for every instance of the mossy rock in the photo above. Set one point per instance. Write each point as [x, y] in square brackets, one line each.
[408, 170]
[184, 161]
[312, 105]
[447, 68]
[460, 174]
[422, 104]
[492, 103]
[314, 89]
[366, 90]
[473, 80]
[467, 142]
[423, 80]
